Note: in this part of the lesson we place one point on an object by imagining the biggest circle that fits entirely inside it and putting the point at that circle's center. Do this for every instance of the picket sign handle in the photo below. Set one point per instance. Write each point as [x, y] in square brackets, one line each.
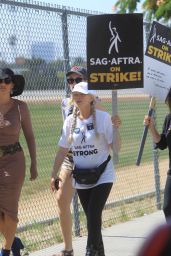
[114, 112]
[150, 112]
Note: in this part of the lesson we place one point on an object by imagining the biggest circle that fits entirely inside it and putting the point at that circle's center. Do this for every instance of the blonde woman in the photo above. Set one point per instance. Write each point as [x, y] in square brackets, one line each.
[65, 192]
[89, 133]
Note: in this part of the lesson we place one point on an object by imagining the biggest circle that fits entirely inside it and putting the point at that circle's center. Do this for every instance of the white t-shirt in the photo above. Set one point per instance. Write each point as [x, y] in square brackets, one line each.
[65, 106]
[90, 151]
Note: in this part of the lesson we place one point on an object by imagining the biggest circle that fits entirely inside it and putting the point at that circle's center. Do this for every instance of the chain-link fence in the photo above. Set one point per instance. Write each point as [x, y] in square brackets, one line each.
[41, 41]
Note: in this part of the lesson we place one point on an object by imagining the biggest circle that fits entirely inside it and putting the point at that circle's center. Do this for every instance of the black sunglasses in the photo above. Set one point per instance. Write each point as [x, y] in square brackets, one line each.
[6, 80]
[76, 80]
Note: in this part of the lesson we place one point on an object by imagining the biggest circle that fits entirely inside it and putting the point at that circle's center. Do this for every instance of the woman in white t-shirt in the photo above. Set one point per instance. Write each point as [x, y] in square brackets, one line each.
[89, 133]
[65, 191]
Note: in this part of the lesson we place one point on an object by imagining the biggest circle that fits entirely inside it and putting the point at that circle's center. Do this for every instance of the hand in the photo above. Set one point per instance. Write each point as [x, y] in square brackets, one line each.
[33, 172]
[116, 121]
[148, 121]
[55, 183]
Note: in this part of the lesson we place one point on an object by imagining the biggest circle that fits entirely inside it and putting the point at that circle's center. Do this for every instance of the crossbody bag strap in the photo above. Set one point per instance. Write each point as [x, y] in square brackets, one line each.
[104, 164]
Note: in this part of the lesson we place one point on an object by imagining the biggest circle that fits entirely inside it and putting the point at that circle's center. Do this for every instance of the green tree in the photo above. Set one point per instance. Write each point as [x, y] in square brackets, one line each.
[154, 8]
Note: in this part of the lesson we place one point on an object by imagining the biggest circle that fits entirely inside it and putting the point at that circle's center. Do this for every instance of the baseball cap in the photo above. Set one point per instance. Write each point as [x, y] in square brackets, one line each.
[82, 87]
[78, 70]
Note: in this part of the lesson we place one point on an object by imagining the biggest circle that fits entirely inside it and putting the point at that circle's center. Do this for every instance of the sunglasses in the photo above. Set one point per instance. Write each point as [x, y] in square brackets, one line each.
[76, 80]
[6, 80]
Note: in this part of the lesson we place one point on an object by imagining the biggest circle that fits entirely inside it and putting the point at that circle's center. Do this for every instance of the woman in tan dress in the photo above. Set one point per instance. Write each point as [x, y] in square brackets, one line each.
[14, 117]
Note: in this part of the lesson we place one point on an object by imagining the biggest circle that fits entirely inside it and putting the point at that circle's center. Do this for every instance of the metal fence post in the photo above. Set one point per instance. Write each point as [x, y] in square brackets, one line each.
[65, 47]
[114, 112]
[66, 68]
[76, 215]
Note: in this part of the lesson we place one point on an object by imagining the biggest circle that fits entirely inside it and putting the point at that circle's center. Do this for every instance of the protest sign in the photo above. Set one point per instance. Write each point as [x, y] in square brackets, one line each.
[157, 62]
[157, 69]
[115, 51]
[115, 55]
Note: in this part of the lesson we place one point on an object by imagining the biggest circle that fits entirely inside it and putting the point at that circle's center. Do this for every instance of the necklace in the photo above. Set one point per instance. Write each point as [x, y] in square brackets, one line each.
[4, 108]
[3, 121]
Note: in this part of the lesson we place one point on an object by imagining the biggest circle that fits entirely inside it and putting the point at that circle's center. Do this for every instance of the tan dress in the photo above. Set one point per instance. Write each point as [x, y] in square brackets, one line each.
[12, 166]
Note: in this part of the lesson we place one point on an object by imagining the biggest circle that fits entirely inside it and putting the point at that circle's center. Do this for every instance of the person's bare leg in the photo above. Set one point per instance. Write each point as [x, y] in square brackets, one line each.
[1, 223]
[64, 198]
[8, 228]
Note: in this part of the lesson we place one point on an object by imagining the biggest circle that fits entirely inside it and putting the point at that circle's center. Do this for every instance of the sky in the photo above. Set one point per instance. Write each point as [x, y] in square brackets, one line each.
[93, 5]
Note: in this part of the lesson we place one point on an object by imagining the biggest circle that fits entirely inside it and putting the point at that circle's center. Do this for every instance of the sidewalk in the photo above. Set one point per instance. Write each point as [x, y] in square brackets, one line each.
[122, 239]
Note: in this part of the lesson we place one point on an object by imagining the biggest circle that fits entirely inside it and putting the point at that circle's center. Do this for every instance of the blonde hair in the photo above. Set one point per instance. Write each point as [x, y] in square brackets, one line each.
[73, 124]
[71, 101]
[74, 120]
